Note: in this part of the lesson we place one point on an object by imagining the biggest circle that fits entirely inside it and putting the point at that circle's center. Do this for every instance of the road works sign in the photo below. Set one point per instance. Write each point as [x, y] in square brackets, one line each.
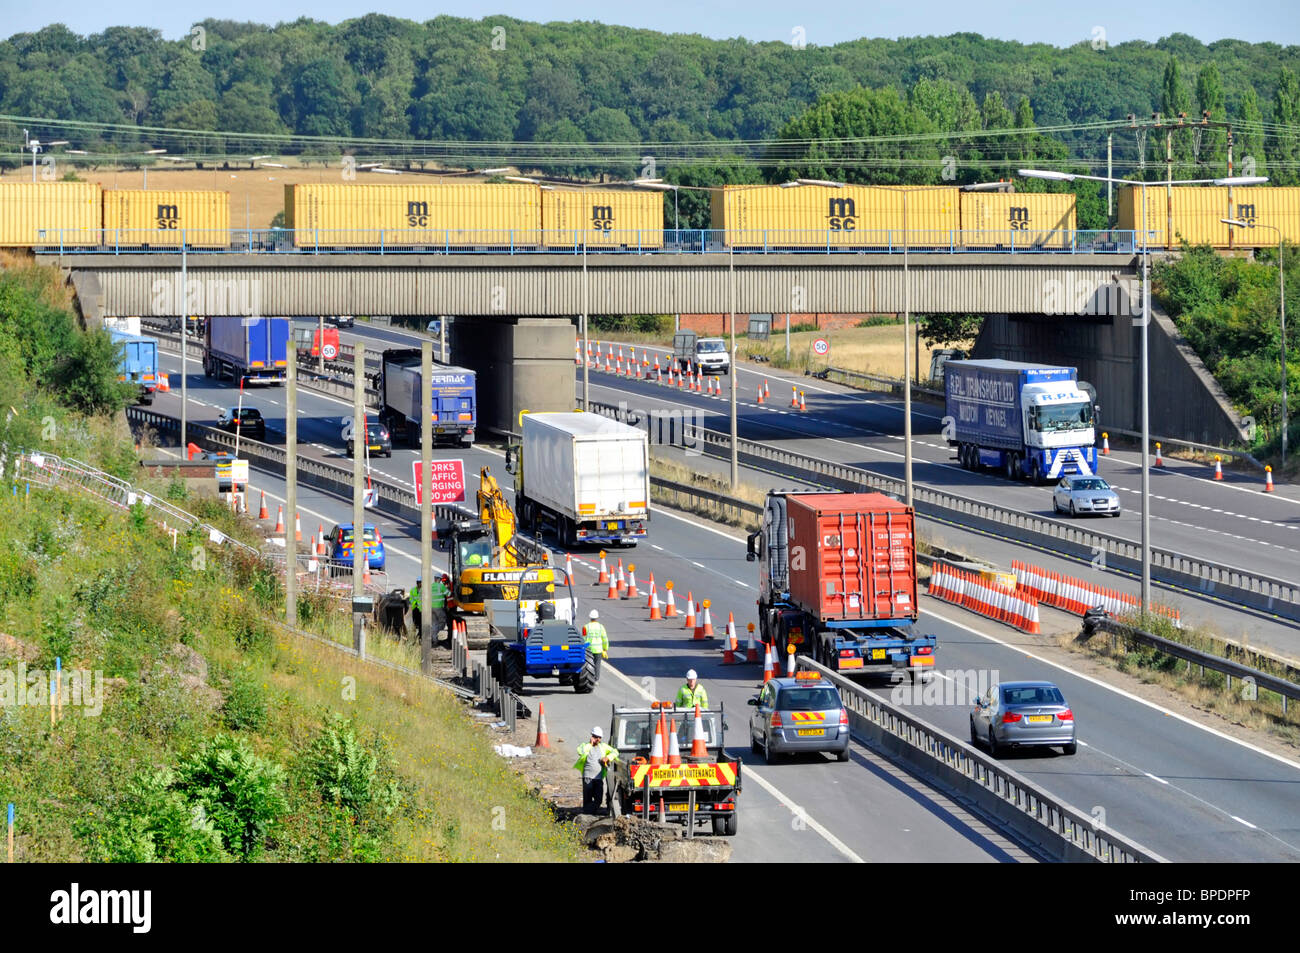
[447, 480]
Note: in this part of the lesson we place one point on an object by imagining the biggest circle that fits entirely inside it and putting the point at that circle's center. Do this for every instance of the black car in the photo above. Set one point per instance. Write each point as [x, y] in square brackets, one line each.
[248, 422]
[339, 320]
[379, 443]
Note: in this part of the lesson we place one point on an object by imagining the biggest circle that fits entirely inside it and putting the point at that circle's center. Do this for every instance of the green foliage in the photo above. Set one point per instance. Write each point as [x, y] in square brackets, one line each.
[239, 791]
[639, 323]
[245, 704]
[1228, 310]
[949, 328]
[158, 822]
[347, 773]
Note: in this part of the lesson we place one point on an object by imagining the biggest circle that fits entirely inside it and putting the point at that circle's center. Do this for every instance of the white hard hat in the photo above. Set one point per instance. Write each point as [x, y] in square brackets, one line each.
[594, 614]
[597, 732]
[691, 674]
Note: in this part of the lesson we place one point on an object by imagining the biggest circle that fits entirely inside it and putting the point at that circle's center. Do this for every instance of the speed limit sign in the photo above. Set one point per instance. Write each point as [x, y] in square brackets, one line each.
[821, 346]
[330, 351]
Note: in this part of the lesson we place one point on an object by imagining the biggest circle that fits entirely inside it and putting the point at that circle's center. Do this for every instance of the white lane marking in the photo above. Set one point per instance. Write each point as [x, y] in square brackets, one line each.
[762, 782]
[1154, 778]
[1241, 821]
[1118, 691]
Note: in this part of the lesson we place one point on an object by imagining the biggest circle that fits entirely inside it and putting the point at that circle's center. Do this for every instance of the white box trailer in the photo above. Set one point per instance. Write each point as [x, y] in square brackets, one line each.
[585, 476]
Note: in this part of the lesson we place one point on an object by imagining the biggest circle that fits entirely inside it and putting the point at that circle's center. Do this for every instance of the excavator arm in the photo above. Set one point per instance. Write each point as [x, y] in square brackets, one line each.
[496, 514]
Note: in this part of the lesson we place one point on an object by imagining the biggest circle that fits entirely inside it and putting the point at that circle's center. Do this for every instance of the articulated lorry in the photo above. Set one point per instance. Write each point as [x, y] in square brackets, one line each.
[837, 579]
[255, 350]
[1030, 421]
[138, 363]
[455, 407]
[585, 476]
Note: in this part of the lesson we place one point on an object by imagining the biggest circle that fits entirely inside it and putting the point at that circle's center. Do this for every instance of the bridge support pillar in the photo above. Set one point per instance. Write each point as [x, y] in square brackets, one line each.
[522, 363]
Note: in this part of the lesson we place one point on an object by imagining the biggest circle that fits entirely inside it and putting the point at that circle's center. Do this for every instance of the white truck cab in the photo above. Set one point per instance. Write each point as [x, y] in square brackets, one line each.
[710, 355]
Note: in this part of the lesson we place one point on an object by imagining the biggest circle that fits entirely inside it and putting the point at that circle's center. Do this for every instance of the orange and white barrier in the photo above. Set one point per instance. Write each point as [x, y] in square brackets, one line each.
[1077, 597]
[970, 591]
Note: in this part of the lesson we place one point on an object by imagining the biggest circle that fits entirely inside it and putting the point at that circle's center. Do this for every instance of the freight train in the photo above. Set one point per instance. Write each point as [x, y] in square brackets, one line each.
[517, 216]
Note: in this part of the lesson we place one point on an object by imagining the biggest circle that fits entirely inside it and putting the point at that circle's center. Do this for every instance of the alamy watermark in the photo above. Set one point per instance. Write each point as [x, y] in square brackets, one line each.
[34, 688]
[952, 687]
[676, 427]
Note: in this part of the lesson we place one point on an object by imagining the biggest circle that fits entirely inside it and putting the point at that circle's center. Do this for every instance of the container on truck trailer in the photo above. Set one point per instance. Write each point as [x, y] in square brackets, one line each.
[138, 363]
[1028, 420]
[253, 349]
[455, 406]
[837, 579]
[585, 476]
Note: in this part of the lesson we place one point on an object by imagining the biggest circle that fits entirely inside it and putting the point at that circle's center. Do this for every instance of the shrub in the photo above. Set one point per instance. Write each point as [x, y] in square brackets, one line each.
[245, 705]
[241, 792]
[157, 822]
[347, 773]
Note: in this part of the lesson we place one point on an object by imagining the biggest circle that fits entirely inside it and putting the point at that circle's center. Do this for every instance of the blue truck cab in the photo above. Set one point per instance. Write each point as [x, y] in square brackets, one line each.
[138, 363]
[253, 349]
[1031, 421]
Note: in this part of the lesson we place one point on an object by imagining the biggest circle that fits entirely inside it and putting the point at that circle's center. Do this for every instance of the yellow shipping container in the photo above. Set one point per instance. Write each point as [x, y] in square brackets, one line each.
[1276, 206]
[463, 214]
[161, 216]
[606, 218]
[49, 213]
[855, 216]
[1017, 219]
[1196, 212]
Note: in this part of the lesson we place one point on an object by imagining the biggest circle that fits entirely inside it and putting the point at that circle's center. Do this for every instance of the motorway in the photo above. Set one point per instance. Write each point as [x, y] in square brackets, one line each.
[1178, 788]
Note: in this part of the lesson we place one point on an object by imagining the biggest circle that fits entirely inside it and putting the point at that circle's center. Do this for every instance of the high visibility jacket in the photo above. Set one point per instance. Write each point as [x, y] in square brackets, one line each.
[415, 597]
[602, 751]
[689, 699]
[438, 593]
[595, 634]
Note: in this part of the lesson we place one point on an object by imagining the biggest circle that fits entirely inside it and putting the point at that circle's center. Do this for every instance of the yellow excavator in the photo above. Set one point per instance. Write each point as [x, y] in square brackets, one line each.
[489, 559]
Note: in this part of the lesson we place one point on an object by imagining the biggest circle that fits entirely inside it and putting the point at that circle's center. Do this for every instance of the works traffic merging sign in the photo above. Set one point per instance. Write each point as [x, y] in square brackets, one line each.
[447, 480]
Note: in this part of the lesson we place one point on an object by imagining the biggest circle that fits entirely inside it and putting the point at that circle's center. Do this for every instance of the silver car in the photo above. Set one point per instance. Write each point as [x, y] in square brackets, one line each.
[1023, 714]
[793, 715]
[1085, 494]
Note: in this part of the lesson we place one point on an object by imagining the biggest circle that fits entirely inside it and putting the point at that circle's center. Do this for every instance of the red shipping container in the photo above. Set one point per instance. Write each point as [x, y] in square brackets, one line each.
[852, 556]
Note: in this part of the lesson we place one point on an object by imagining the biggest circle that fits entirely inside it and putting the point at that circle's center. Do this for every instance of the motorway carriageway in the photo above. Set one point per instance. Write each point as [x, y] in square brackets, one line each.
[1230, 521]
[1178, 788]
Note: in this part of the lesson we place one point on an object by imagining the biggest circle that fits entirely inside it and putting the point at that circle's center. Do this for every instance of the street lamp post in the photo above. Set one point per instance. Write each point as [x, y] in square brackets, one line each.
[1281, 279]
[1146, 321]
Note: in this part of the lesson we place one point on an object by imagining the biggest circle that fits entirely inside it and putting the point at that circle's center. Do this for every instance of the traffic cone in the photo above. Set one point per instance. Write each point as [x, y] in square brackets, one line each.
[634, 366]
[613, 587]
[699, 745]
[674, 749]
[767, 663]
[608, 368]
[604, 570]
[657, 747]
[803, 406]
[263, 513]
[760, 395]
[365, 569]
[618, 365]
[1218, 467]
[767, 393]
[577, 353]
[658, 370]
[621, 579]
[679, 377]
[751, 650]
[568, 566]
[729, 646]
[702, 613]
[659, 377]
[1268, 479]
[670, 607]
[651, 597]
[321, 529]
[707, 626]
[655, 614]
[789, 668]
[1159, 462]
[690, 611]
[297, 527]
[631, 592]
[279, 520]
[543, 739]
[1105, 445]
[698, 375]
[794, 397]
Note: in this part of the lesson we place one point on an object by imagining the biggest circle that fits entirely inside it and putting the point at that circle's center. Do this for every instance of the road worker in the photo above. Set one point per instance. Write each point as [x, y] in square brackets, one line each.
[692, 693]
[438, 593]
[597, 639]
[595, 758]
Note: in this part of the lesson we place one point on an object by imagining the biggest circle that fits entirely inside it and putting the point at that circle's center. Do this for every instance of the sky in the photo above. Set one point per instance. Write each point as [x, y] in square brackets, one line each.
[824, 23]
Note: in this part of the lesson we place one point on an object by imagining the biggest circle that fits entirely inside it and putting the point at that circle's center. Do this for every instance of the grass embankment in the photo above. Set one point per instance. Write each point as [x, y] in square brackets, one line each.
[203, 732]
[1256, 709]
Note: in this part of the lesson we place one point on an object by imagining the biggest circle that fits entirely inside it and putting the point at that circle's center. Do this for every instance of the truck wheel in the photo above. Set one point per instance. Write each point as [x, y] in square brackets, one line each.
[1009, 465]
[584, 682]
[512, 672]
[724, 824]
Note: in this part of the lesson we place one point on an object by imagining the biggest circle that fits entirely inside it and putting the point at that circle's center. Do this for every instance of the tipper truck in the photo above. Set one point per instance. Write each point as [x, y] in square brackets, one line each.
[455, 408]
[1030, 421]
[585, 476]
[837, 579]
[138, 363]
[255, 350]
